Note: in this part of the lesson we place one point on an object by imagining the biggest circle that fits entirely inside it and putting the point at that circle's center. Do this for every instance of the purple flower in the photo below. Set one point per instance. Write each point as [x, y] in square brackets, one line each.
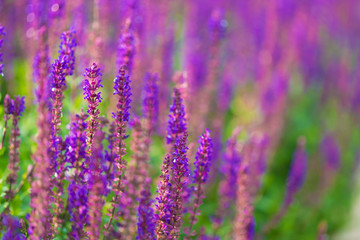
[251, 229]
[91, 86]
[297, 173]
[123, 91]
[67, 49]
[58, 164]
[330, 151]
[40, 217]
[151, 102]
[78, 159]
[126, 49]
[146, 223]
[177, 123]
[8, 110]
[13, 227]
[232, 160]
[178, 179]
[217, 25]
[2, 34]
[164, 202]
[201, 172]
[18, 108]
[97, 184]
[244, 220]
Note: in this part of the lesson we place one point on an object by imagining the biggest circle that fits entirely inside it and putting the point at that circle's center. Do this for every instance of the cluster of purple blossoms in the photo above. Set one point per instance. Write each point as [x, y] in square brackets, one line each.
[15, 107]
[177, 123]
[146, 224]
[91, 94]
[179, 183]
[201, 173]
[97, 183]
[217, 25]
[164, 202]
[151, 102]
[67, 49]
[76, 155]
[13, 228]
[126, 49]
[73, 176]
[121, 116]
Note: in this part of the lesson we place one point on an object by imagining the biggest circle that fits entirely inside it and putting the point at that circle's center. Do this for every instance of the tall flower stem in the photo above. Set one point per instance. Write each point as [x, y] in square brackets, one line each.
[91, 86]
[8, 108]
[121, 116]
[18, 108]
[202, 167]
[57, 96]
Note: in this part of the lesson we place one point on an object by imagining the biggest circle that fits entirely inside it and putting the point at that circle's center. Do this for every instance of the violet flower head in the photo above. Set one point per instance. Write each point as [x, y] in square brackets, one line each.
[217, 25]
[146, 220]
[8, 105]
[91, 94]
[201, 173]
[18, 108]
[2, 34]
[126, 49]
[179, 181]
[13, 227]
[232, 160]
[77, 157]
[203, 158]
[58, 164]
[164, 202]
[330, 151]
[297, 172]
[151, 101]
[58, 84]
[123, 90]
[67, 48]
[177, 123]
[8, 110]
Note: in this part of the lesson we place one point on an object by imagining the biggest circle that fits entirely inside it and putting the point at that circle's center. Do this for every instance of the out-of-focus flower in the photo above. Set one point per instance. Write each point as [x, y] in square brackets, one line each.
[40, 217]
[331, 152]
[217, 25]
[297, 173]
[67, 48]
[151, 102]
[146, 223]
[2, 34]
[244, 221]
[97, 184]
[91, 94]
[126, 50]
[228, 185]
[13, 227]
